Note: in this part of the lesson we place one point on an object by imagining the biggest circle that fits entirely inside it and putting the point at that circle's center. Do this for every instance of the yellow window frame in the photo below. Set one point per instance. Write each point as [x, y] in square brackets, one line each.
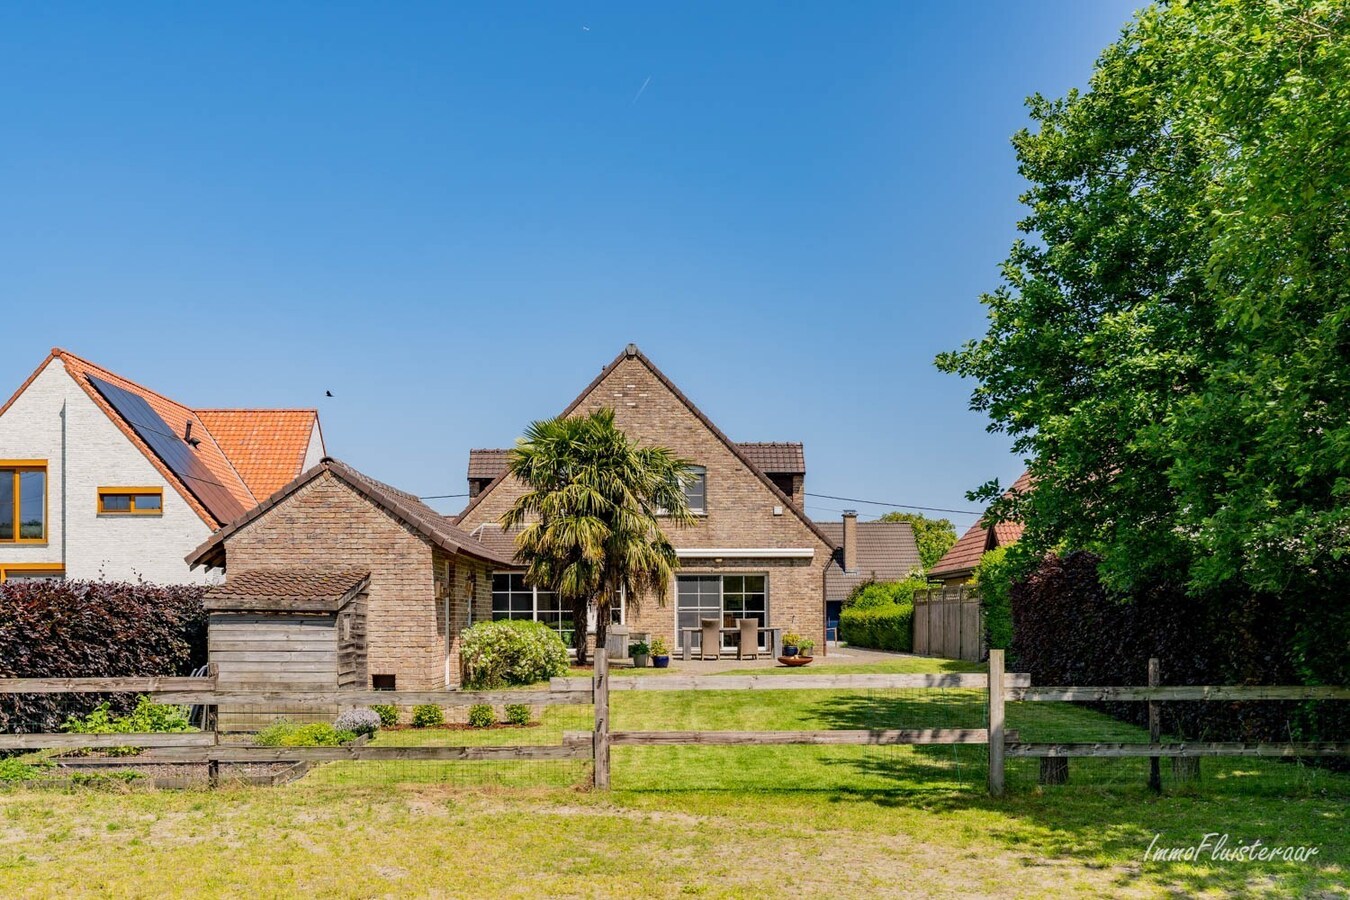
[8, 569]
[18, 467]
[133, 493]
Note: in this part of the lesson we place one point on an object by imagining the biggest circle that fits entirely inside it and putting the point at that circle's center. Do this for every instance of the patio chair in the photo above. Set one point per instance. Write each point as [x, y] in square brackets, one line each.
[748, 648]
[710, 647]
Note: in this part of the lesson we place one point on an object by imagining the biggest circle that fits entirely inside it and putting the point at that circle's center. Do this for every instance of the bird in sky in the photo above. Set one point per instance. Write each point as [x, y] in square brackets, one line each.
[328, 393]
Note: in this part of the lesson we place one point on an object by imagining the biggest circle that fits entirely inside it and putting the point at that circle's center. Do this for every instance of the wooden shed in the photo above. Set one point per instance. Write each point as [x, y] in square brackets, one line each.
[287, 630]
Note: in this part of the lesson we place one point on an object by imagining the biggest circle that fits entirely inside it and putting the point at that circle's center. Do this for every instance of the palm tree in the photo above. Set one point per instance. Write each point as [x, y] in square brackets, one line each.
[590, 515]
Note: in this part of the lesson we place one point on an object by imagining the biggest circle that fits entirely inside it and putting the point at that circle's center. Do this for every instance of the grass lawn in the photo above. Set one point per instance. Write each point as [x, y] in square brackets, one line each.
[701, 821]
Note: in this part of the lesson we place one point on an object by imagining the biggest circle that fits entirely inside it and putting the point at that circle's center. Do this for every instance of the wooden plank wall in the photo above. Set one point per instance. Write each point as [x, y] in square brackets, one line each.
[949, 623]
[278, 652]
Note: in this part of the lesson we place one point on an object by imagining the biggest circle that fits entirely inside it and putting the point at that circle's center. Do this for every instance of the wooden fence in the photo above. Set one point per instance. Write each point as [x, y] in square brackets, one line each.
[948, 622]
[212, 747]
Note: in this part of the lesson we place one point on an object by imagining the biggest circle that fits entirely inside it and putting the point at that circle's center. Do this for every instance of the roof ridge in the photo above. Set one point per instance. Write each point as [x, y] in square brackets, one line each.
[254, 409]
[62, 354]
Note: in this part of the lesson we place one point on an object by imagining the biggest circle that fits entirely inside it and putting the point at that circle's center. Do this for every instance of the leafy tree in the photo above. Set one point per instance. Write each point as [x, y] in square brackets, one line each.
[590, 515]
[935, 536]
[993, 577]
[1170, 346]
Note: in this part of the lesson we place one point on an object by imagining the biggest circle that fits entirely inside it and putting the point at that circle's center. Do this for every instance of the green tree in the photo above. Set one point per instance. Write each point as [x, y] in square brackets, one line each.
[935, 536]
[1170, 346]
[590, 515]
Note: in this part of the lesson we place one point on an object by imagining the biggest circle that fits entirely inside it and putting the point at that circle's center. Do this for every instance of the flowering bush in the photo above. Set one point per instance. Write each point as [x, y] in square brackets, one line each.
[361, 721]
[482, 716]
[511, 651]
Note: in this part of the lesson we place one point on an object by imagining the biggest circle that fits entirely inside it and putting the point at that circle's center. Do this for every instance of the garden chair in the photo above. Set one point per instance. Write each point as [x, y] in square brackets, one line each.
[748, 648]
[710, 647]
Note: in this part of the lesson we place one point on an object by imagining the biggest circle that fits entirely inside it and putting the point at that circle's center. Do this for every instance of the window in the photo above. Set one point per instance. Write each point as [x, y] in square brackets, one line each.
[123, 501]
[32, 572]
[383, 682]
[723, 597]
[696, 491]
[23, 501]
[514, 598]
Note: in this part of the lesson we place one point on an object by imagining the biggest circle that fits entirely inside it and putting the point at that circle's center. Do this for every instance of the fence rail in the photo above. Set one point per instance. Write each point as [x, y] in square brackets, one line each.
[998, 686]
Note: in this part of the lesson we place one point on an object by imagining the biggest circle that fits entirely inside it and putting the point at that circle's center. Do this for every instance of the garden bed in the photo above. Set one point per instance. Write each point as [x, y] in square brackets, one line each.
[168, 774]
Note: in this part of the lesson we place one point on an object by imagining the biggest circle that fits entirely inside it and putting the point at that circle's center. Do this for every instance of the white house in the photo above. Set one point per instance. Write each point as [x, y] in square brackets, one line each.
[101, 478]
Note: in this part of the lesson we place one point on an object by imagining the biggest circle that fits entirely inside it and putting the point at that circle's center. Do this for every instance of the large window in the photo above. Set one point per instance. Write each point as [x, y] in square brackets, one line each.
[23, 502]
[696, 491]
[514, 598]
[722, 597]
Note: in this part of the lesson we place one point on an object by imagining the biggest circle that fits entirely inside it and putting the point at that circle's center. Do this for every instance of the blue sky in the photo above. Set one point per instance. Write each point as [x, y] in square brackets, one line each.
[452, 216]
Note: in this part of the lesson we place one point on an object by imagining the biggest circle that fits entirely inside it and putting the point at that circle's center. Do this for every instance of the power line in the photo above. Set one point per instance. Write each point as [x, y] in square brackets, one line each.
[962, 512]
[441, 496]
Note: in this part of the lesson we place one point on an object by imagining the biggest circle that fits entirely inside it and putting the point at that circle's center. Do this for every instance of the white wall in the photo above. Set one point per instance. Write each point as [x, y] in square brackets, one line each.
[316, 450]
[54, 419]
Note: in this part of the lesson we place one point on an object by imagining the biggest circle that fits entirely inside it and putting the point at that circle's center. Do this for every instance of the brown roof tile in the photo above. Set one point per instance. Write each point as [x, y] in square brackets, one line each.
[431, 525]
[487, 463]
[299, 590]
[777, 457]
[887, 551]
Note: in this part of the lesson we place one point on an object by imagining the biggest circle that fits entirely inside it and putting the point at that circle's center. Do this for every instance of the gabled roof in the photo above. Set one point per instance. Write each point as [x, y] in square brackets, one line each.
[267, 446]
[887, 551]
[402, 506]
[965, 554]
[244, 444]
[632, 352]
[286, 590]
[776, 457]
[487, 463]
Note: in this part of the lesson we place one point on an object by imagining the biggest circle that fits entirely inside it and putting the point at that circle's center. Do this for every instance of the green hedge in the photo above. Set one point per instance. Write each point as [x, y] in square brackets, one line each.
[879, 627]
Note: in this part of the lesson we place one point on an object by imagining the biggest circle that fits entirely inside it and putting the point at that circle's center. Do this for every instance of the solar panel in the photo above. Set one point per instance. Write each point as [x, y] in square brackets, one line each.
[172, 450]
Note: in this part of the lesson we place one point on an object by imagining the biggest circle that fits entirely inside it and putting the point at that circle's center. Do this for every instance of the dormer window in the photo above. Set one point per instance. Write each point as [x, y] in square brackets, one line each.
[696, 490]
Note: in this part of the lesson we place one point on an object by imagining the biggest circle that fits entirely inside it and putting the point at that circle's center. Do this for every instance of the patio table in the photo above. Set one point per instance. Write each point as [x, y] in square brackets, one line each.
[774, 641]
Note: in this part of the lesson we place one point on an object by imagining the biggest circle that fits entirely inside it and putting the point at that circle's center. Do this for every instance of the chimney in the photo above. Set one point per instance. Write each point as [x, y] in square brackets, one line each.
[850, 541]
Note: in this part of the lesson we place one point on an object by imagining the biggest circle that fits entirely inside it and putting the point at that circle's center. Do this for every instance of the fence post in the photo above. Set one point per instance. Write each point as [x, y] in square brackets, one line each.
[1154, 727]
[600, 745]
[996, 723]
[211, 723]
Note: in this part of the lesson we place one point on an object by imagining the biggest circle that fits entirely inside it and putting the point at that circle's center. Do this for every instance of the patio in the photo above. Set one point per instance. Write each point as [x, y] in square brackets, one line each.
[839, 656]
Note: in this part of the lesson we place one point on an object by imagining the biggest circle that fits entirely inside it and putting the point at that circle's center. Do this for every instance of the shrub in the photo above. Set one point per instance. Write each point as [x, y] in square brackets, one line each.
[360, 721]
[482, 716]
[889, 627]
[518, 714]
[511, 651]
[1069, 629]
[284, 733]
[388, 714]
[11, 770]
[427, 715]
[993, 580]
[71, 629]
[874, 594]
[660, 647]
[146, 717]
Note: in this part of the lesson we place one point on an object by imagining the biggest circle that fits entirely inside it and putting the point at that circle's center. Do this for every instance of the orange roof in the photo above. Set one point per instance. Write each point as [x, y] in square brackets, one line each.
[965, 554]
[226, 460]
[267, 446]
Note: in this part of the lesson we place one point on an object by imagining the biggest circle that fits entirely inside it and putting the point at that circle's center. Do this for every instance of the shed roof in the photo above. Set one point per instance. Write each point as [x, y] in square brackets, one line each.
[887, 551]
[286, 590]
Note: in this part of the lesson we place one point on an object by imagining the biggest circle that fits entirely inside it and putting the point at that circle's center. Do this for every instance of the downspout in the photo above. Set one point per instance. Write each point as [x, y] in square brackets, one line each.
[65, 521]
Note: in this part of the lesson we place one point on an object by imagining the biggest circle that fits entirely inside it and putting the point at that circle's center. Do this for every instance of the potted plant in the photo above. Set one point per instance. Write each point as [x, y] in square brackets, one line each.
[791, 643]
[804, 648]
[660, 653]
[639, 651]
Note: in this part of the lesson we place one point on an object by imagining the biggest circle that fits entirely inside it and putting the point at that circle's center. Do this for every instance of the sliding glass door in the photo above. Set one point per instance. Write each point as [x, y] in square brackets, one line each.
[722, 597]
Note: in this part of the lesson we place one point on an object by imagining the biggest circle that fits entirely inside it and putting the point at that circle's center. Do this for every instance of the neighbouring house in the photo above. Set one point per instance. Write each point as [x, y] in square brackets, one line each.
[383, 583]
[868, 551]
[957, 565]
[753, 553]
[102, 478]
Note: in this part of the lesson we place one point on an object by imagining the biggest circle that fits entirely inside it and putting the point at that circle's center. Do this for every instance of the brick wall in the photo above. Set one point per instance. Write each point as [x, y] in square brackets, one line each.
[740, 507]
[325, 524]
